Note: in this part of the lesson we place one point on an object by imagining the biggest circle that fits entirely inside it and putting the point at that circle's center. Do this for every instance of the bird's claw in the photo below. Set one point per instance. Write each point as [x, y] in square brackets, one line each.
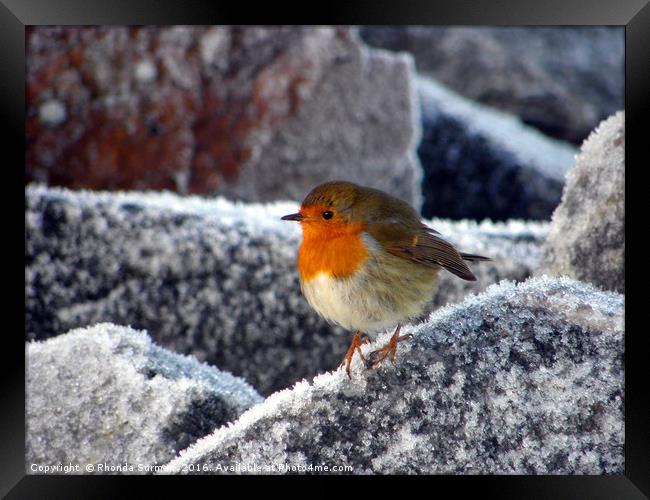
[355, 346]
[388, 351]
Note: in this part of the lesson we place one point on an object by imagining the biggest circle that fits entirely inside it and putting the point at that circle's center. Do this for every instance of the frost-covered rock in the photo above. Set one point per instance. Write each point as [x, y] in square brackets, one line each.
[108, 395]
[254, 113]
[562, 80]
[514, 247]
[481, 163]
[522, 379]
[211, 278]
[586, 239]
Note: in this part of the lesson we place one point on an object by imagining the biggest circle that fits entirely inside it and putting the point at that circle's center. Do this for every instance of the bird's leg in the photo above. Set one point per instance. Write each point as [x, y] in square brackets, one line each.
[389, 350]
[356, 344]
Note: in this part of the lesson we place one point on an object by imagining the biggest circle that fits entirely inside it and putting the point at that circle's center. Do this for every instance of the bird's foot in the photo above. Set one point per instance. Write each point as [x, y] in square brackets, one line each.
[388, 351]
[356, 344]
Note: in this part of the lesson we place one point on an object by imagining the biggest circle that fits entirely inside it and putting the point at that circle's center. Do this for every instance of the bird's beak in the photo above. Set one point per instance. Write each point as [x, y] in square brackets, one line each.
[297, 216]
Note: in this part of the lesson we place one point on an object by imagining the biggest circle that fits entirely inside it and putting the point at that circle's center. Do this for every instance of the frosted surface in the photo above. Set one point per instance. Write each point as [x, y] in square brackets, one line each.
[587, 235]
[532, 148]
[481, 163]
[524, 378]
[107, 394]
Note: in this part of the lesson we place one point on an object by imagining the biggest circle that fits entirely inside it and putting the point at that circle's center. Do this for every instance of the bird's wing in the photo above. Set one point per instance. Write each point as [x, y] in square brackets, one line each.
[421, 244]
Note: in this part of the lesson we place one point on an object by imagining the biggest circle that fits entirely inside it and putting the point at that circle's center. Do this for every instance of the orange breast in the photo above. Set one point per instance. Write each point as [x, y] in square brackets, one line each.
[336, 252]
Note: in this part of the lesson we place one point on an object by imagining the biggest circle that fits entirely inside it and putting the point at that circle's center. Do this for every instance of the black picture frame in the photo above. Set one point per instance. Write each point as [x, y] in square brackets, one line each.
[16, 14]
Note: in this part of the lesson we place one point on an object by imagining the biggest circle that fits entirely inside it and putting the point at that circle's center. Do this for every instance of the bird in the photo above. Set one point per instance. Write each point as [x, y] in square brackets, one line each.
[369, 264]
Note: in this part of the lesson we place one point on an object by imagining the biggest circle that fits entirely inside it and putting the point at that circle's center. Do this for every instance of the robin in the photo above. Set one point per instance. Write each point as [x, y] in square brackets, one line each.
[368, 263]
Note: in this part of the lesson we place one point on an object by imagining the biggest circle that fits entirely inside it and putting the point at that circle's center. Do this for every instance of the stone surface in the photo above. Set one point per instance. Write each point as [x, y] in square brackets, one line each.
[481, 163]
[107, 395]
[561, 80]
[253, 113]
[211, 278]
[586, 239]
[522, 379]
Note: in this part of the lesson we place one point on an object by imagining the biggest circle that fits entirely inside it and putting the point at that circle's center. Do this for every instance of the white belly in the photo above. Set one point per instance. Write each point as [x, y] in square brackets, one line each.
[374, 299]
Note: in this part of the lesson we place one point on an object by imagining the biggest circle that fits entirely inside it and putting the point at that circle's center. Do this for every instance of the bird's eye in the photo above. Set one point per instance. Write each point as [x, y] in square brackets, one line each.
[327, 215]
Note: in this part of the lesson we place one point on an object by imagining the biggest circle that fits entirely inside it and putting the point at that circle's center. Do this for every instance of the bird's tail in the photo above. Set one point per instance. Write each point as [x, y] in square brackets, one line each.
[472, 256]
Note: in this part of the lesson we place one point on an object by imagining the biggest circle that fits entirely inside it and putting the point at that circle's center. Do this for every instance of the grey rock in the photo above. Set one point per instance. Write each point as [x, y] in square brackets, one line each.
[562, 80]
[481, 163]
[522, 379]
[107, 396]
[586, 239]
[361, 123]
[211, 278]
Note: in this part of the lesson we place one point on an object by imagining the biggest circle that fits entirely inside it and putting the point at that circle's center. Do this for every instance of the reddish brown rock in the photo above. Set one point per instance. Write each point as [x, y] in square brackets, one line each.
[121, 130]
[190, 108]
